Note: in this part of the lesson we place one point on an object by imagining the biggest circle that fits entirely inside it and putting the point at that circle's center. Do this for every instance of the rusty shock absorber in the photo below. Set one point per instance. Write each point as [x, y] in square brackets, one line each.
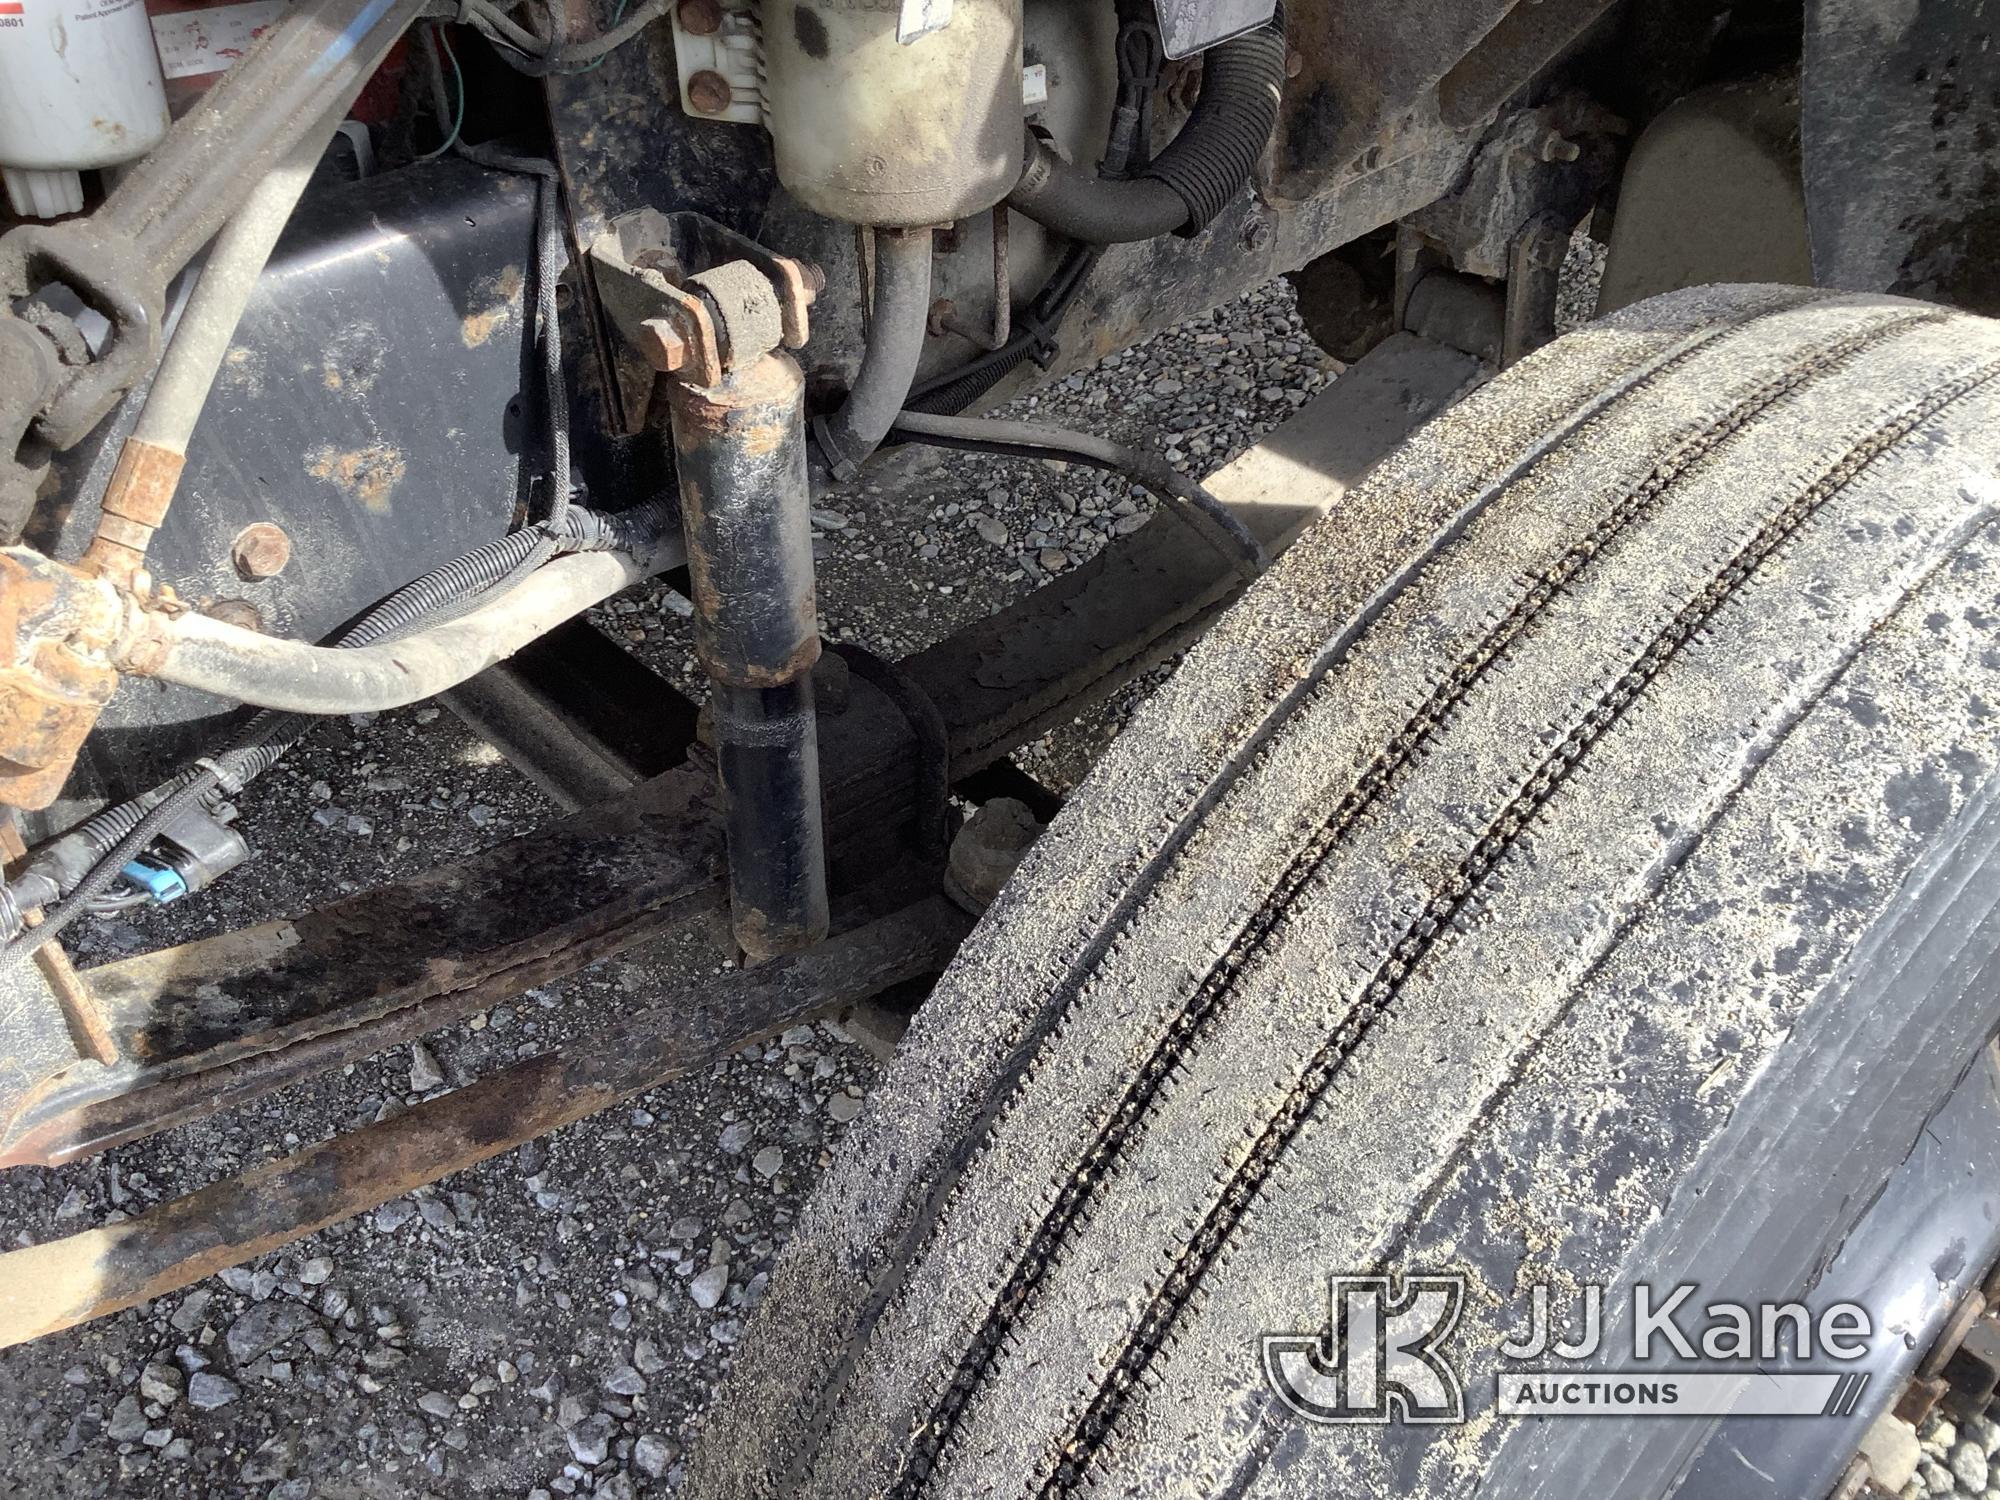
[739, 447]
[714, 312]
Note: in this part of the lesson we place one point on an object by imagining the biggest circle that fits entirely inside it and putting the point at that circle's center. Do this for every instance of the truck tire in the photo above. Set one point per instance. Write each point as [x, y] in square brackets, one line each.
[1573, 863]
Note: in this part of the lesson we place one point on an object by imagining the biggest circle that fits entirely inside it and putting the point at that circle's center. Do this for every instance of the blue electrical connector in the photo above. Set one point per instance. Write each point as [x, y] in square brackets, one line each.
[161, 882]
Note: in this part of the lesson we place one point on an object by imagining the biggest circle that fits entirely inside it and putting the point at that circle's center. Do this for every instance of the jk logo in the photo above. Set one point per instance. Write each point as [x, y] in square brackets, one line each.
[1377, 1359]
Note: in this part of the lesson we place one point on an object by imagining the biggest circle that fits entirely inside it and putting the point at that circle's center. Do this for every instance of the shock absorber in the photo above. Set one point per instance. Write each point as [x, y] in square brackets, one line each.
[715, 312]
[739, 447]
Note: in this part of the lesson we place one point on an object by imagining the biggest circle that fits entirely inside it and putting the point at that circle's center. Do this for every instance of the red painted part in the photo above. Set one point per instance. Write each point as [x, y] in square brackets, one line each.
[379, 99]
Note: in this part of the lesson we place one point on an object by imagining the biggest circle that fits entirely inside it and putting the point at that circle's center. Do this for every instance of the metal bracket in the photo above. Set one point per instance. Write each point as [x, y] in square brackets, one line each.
[1191, 26]
[650, 269]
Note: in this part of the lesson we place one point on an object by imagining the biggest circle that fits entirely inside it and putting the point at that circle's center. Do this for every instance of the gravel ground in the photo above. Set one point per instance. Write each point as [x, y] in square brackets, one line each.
[553, 1321]
[1959, 1459]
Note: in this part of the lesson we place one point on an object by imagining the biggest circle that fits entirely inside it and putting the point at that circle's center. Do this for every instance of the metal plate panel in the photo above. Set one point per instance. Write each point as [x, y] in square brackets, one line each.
[1188, 26]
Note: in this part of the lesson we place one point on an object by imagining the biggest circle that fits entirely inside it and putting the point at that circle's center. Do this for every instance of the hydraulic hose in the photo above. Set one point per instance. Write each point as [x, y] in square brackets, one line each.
[1190, 181]
[187, 370]
[142, 486]
[307, 67]
[84, 863]
[889, 365]
[296, 677]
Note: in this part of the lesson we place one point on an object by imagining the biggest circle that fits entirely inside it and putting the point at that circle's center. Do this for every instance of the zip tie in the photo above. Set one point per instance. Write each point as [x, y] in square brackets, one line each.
[228, 780]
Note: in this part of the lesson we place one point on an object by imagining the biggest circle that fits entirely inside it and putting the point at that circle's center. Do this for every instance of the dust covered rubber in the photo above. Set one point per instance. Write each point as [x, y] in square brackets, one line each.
[1570, 864]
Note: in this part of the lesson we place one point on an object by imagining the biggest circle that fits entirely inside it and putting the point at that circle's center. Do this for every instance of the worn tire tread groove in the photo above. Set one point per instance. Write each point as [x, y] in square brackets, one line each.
[812, 1425]
[1226, 1215]
[1211, 997]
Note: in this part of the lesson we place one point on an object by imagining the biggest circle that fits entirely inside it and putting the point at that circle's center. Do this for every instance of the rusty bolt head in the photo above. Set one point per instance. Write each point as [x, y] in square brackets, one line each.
[260, 550]
[238, 612]
[1256, 232]
[699, 17]
[1295, 62]
[661, 345]
[709, 93]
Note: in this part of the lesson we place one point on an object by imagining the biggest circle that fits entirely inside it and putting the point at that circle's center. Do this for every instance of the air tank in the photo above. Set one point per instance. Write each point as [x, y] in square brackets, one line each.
[79, 88]
[894, 115]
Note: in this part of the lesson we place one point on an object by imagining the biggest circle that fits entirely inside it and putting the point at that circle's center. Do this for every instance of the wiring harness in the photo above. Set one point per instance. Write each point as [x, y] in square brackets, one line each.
[540, 54]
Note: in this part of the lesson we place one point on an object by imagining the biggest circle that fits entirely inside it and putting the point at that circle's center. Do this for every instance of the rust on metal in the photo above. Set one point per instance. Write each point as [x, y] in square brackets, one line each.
[748, 408]
[641, 261]
[766, 674]
[143, 484]
[662, 345]
[699, 17]
[944, 313]
[709, 93]
[260, 551]
[135, 503]
[69, 1281]
[701, 359]
[56, 629]
[798, 284]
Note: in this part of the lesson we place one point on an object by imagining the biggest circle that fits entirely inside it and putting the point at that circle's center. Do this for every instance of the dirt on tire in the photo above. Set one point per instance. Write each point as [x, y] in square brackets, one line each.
[1511, 885]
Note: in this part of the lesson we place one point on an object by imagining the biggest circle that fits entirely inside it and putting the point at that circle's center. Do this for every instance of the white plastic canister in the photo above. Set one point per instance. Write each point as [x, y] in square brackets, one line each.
[79, 87]
[876, 121]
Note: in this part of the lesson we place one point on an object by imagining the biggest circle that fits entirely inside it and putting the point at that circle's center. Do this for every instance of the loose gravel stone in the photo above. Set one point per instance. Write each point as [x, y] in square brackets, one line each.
[128, 1421]
[194, 1307]
[210, 1392]
[707, 1288]
[425, 1074]
[1968, 1466]
[264, 1328]
[161, 1384]
[651, 1454]
[590, 1440]
[625, 1381]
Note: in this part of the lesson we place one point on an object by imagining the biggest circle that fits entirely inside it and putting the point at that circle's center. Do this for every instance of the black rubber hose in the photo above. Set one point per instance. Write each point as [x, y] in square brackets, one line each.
[896, 328]
[1075, 201]
[1220, 526]
[1034, 330]
[1125, 155]
[1188, 183]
